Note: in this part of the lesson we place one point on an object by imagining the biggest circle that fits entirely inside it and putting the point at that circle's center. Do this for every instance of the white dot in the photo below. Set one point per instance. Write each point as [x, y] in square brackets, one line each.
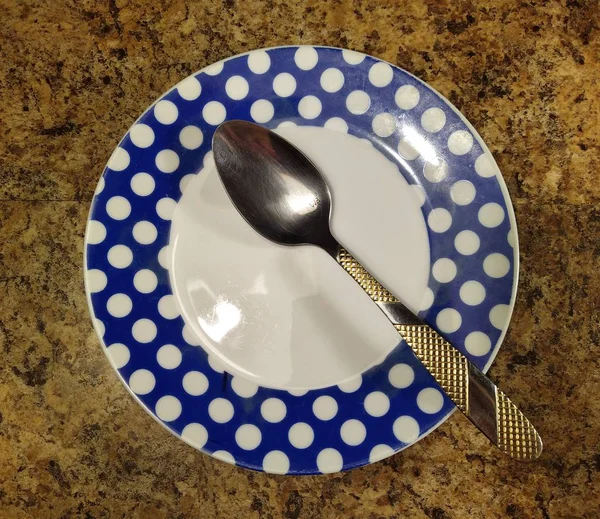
[273, 410]
[491, 215]
[191, 137]
[195, 383]
[332, 80]
[433, 120]
[189, 88]
[462, 192]
[301, 435]
[215, 364]
[381, 74]
[467, 243]
[165, 208]
[96, 232]
[119, 160]
[406, 429]
[485, 166]
[352, 57]
[306, 58]
[407, 97]
[215, 69]
[384, 124]
[353, 432]
[325, 407]
[167, 307]
[195, 434]
[436, 170]
[377, 404]
[472, 293]
[358, 102]
[499, 316]
[144, 232]
[167, 161]
[119, 305]
[184, 182]
[460, 142]
[237, 88]
[259, 62]
[276, 462]
[352, 385]
[407, 150]
[310, 107]
[224, 456]
[189, 336]
[214, 113]
[262, 111]
[448, 320]
[419, 193]
[401, 376]
[168, 408]
[120, 256]
[144, 331]
[119, 355]
[118, 208]
[430, 400]
[427, 300]
[329, 461]
[248, 437]
[478, 344]
[142, 135]
[168, 356]
[336, 124]
[284, 84]
[496, 265]
[142, 382]
[287, 124]
[100, 186]
[100, 328]
[166, 112]
[510, 237]
[439, 220]
[444, 270]
[96, 280]
[298, 392]
[380, 452]
[244, 387]
[220, 410]
[164, 257]
[145, 281]
[142, 184]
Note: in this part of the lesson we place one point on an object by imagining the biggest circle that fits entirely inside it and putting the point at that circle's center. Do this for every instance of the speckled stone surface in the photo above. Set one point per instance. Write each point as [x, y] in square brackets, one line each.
[75, 75]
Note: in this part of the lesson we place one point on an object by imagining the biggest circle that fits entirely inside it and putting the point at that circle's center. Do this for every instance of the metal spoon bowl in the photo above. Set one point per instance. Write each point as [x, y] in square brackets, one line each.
[286, 199]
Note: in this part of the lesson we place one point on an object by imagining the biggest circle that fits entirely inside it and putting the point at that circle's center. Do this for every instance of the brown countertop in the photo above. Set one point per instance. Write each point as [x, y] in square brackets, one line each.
[75, 75]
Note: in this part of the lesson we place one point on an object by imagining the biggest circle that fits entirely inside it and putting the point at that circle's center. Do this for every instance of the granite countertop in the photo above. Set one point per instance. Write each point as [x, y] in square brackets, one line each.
[75, 75]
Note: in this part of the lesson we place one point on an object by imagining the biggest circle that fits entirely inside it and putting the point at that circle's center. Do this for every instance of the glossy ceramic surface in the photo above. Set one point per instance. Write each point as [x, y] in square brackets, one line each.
[183, 293]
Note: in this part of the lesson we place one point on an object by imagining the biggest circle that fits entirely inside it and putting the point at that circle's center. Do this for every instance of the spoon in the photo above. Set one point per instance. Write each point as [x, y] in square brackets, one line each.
[286, 199]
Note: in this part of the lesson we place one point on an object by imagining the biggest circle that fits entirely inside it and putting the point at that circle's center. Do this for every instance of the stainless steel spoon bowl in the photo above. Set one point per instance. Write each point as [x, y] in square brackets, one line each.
[284, 197]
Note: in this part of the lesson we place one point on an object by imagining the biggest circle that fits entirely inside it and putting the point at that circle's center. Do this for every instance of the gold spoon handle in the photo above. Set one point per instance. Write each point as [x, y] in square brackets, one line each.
[488, 408]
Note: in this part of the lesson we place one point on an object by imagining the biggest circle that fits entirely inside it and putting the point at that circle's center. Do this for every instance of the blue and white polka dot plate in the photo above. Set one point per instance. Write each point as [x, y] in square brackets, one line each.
[155, 235]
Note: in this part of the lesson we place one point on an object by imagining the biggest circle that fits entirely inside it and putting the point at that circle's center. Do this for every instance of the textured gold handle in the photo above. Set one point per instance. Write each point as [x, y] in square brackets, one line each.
[516, 434]
[447, 365]
[472, 392]
[377, 292]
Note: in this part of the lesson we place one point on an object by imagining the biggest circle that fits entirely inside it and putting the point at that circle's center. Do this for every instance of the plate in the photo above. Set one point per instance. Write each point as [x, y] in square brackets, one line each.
[267, 356]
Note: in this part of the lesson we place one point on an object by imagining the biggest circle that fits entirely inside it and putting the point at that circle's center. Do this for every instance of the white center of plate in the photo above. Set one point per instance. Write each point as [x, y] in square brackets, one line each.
[290, 317]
